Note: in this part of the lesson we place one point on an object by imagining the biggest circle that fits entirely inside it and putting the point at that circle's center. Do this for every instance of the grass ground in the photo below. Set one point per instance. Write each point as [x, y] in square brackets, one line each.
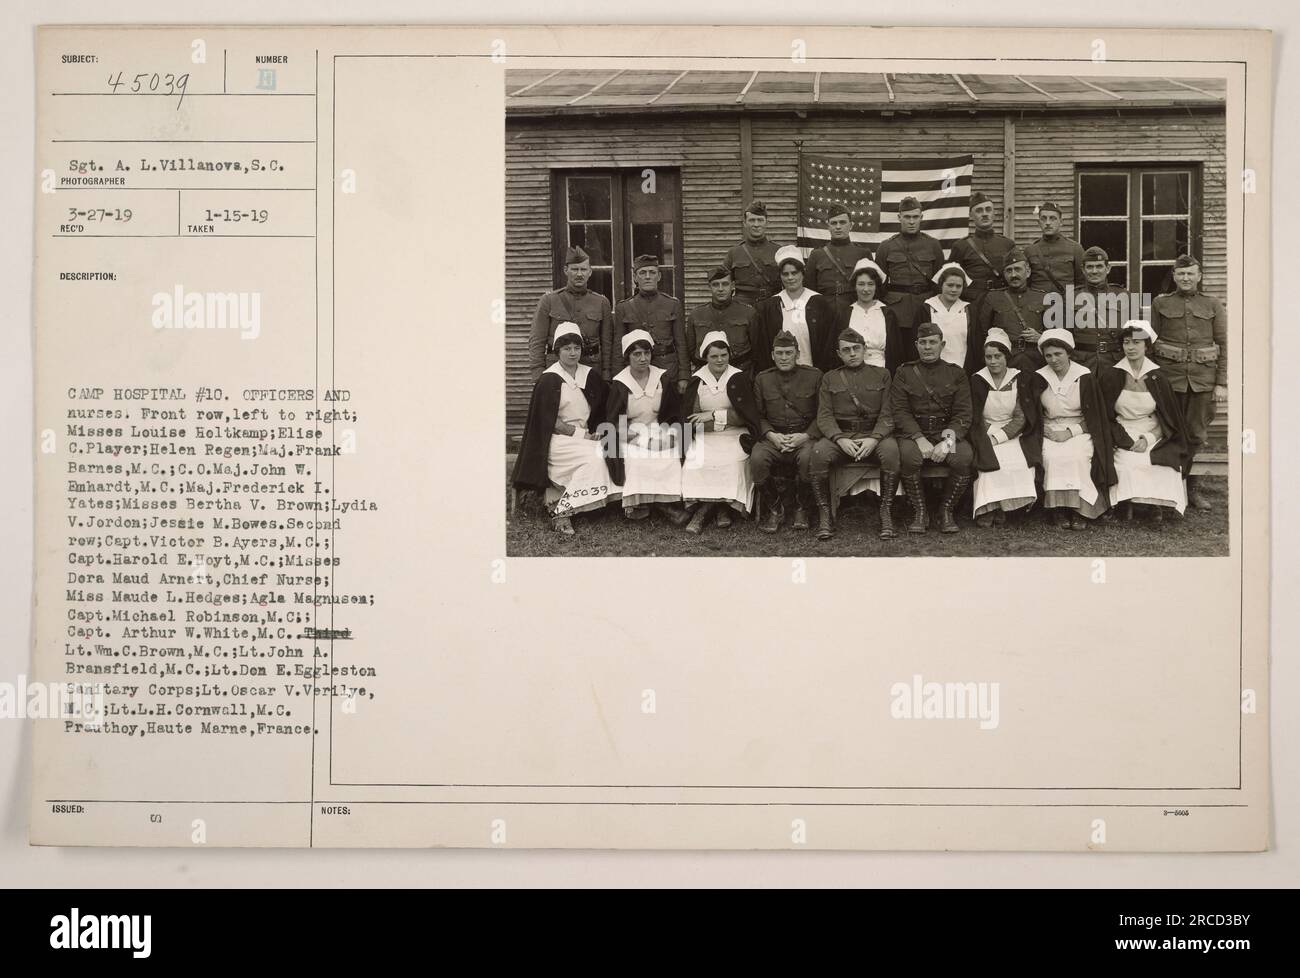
[607, 534]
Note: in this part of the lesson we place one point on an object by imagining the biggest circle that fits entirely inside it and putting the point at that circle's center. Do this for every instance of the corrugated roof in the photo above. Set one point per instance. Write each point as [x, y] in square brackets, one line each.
[542, 91]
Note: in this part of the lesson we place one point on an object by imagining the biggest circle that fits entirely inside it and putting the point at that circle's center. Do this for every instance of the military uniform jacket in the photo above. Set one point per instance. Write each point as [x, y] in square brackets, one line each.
[1014, 311]
[753, 269]
[1190, 328]
[909, 264]
[828, 270]
[590, 310]
[1096, 316]
[980, 255]
[786, 401]
[735, 318]
[1055, 264]
[926, 398]
[855, 403]
[660, 315]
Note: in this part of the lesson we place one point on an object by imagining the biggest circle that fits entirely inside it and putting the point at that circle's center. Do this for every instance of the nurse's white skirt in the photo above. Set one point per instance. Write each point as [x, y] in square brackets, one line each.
[717, 470]
[652, 471]
[1142, 482]
[580, 480]
[1067, 476]
[1011, 487]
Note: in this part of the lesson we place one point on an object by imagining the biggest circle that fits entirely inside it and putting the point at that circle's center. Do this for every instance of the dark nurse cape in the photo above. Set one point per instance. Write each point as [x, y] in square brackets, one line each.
[1098, 421]
[616, 409]
[1172, 449]
[543, 408]
[986, 459]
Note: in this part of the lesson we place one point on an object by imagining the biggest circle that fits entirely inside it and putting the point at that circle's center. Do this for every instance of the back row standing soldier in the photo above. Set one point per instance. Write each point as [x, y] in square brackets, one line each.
[574, 303]
[1055, 261]
[658, 314]
[1191, 350]
[830, 268]
[909, 259]
[722, 313]
[1099, 314]
[981, 255]
[752, 263]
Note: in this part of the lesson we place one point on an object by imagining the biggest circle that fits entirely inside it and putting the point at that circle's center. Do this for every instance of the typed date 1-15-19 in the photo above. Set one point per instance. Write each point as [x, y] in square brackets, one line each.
[232, 216]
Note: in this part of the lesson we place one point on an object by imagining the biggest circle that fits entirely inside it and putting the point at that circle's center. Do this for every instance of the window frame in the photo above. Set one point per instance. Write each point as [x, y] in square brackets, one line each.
[621, 283]
[1135, 218]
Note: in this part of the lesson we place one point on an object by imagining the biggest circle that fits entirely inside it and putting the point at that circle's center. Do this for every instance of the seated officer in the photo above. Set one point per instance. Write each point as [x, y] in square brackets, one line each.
[853, 416]
[787, 410]
[932, 415]
[722, 312]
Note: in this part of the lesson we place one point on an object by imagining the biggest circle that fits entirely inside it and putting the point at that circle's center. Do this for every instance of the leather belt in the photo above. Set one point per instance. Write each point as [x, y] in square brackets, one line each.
[856, 425]
[791, 429]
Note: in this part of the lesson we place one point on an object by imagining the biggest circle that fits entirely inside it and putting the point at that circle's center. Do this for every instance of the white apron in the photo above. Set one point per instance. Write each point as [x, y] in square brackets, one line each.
[717, 467]
[1139, 480]
[575, 464]
[652, 468]
[1011, 487]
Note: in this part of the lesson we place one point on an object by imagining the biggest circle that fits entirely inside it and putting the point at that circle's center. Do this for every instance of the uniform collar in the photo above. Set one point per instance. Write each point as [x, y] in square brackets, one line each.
[652, 386]
[1058, 384]
[579, 382]
[1143, 369]
[799, 303]
[706, 376]
[1011, 374]
[935, 303]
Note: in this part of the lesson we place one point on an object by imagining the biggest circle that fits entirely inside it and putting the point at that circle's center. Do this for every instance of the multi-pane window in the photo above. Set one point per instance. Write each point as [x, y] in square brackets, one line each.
[616, 215]
[1143, 216]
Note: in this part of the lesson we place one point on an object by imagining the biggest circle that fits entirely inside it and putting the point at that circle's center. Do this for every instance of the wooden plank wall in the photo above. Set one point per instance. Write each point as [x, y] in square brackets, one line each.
[707, 148]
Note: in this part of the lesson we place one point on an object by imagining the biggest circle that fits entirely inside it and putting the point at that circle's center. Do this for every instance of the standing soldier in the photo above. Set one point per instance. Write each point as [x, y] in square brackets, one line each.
[981, 255]
[830, 266]
[931, 403]
[1099, 314]
[753, 262]
[572, 304]
[1055, 261]
[1191, 350]
[910, 259]
[1017, 309]
[658, 314]
[786, 395]
[722, 313]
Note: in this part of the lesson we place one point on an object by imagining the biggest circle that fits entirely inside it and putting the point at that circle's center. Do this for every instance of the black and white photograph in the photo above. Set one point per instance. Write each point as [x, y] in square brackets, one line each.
[814, 313]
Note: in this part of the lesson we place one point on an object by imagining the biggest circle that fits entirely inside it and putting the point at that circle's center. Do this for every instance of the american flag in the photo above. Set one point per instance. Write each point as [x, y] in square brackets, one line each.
[871, 189]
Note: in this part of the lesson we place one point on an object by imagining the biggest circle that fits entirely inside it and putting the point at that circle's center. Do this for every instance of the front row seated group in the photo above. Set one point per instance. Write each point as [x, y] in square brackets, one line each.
[1078, 442]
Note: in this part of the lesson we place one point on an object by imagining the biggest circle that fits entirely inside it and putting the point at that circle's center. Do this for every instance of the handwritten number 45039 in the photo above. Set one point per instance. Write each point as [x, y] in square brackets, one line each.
[151, 83]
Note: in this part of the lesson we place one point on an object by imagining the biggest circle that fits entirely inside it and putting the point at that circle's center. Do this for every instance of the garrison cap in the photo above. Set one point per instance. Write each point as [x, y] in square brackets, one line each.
[909, 204]
[1186, 261]
[836, 209]
[785, 338]
[929, 329]
[719, 271]
[1096, 254]
[645, 261]
[1047, 205]
[575, 256]
[1014, 255]
[979, 197]
[756, 207]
